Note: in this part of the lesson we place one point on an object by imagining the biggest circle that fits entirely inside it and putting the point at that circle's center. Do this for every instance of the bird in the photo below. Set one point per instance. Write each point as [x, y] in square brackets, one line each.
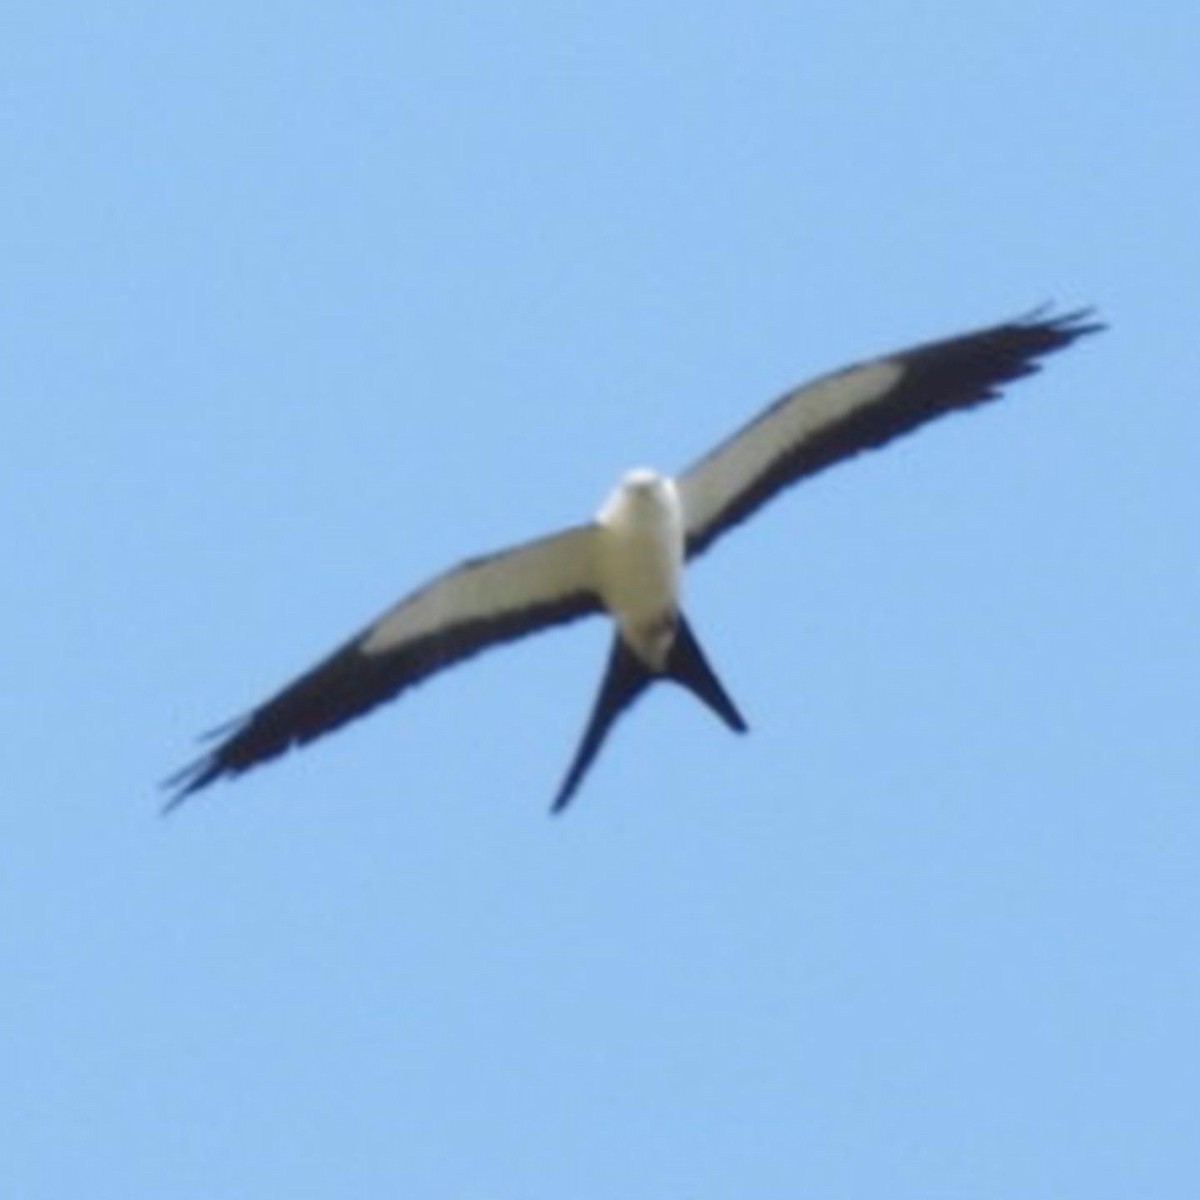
[629, 560]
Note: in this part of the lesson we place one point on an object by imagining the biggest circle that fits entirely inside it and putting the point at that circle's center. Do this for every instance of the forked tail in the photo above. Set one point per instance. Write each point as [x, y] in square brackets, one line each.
[625, 678]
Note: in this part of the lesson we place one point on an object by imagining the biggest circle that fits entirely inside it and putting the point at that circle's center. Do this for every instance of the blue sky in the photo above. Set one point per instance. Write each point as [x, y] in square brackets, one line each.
[301, 304]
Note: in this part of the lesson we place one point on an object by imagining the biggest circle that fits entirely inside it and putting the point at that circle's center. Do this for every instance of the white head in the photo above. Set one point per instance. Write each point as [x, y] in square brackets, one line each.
[640, 491]
[642, 479]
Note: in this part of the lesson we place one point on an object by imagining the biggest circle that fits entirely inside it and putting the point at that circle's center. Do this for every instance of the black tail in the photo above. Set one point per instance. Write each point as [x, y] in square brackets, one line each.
[687, 665]
[625, 678]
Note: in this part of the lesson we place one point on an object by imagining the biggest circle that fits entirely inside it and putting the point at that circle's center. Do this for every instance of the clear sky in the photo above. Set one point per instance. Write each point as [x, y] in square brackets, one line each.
[300, 303]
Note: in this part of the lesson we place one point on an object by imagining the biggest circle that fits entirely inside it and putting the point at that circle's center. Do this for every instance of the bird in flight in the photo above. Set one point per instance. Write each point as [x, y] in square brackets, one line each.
[629, 560]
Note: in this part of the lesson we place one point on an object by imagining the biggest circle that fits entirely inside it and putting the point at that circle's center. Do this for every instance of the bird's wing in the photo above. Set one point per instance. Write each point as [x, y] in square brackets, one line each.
[861, 407]
[477, 604]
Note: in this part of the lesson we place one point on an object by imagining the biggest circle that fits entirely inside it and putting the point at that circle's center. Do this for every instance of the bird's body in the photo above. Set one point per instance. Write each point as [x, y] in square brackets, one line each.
[641, 537]
[629, 561]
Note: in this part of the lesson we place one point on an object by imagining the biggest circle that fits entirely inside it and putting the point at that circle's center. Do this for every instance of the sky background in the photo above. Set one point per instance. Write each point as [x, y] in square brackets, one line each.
[301, 303]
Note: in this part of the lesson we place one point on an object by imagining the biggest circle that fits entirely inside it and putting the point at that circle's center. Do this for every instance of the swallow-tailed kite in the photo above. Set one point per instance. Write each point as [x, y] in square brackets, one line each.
[629, 560]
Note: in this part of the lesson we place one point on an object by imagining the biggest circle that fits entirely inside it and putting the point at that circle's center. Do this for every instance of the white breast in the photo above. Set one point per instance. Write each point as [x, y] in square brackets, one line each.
[642, 561]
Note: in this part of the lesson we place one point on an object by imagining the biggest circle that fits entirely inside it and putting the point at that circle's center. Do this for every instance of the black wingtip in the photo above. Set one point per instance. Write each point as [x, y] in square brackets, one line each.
[202, 771]
[189, 781]
[1067, 326]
